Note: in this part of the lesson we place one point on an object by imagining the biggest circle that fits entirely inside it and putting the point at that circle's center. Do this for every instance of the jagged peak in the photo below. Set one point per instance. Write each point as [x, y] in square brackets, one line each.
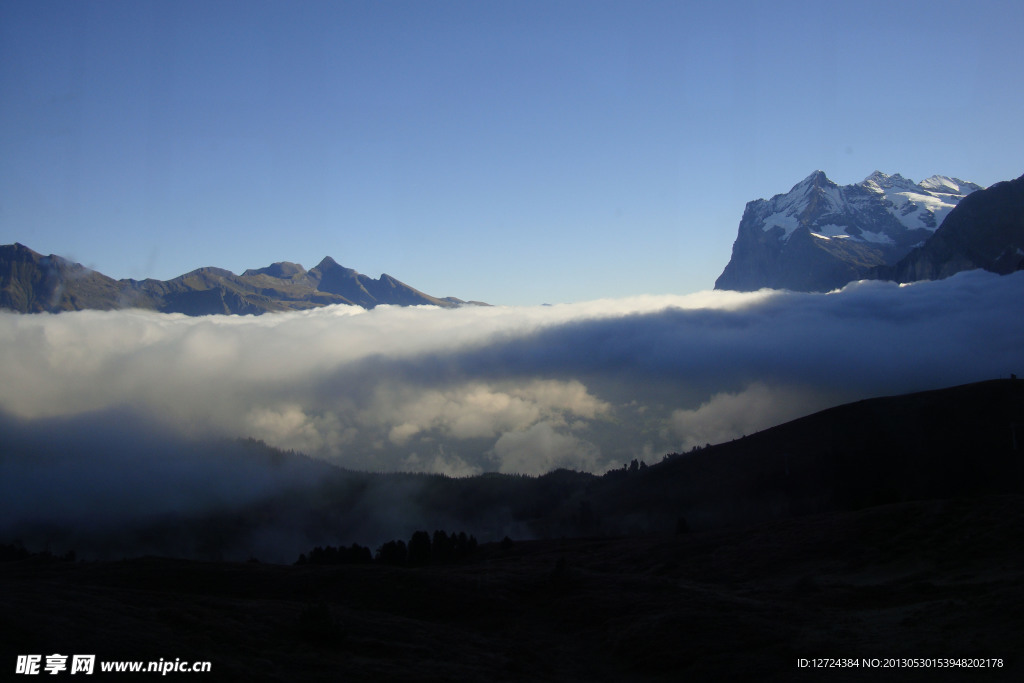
[876, 182]
[329, 265]
[327, 262]
[949, 185]
[879, 181]
[21, 251]
[817, 178]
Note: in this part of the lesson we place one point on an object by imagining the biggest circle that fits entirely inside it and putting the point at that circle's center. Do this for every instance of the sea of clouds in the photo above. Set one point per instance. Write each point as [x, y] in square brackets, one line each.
[586, 386]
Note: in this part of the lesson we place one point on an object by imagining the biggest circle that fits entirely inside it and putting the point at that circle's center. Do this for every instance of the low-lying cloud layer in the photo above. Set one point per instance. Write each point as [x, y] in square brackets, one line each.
[586, 386]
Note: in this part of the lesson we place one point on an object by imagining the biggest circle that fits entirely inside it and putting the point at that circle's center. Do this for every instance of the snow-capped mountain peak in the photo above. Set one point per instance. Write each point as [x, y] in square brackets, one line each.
[852, 211]
[921, 205]
[941, 184]
[816, 179]
[881, 182]
[874, 222]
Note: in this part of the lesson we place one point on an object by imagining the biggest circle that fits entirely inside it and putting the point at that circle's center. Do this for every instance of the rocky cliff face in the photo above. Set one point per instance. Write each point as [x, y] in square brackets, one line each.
[820, 236]
[33, 283]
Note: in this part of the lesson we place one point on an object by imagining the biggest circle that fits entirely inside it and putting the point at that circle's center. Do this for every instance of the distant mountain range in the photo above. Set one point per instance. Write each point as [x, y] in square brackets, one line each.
[33, 283]
[819, 236]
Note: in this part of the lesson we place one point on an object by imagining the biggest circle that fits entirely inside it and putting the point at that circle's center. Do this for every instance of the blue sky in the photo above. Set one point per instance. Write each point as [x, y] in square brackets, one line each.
[510, 152]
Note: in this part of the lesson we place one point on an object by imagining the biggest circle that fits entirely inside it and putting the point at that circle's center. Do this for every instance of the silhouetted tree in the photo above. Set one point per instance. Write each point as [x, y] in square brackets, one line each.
[393, 552]
[360, 554]
[354, 554]
[419, 549]
[462, 545]
[443, 549]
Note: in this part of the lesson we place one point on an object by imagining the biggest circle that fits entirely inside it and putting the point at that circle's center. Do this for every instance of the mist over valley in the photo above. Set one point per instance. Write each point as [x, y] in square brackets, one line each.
[115, 417]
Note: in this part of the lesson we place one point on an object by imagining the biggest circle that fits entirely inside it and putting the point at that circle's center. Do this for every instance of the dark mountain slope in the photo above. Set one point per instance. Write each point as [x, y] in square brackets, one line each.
[965, 440]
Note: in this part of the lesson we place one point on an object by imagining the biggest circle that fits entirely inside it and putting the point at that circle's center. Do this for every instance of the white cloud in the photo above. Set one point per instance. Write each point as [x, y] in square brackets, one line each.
[440, 463]
[474, 410]
[544, 447]
[726, 416]
[289, 427]
[477, 388]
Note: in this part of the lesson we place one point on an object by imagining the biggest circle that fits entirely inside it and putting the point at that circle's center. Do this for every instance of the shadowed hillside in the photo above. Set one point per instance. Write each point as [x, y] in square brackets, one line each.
[964, 440]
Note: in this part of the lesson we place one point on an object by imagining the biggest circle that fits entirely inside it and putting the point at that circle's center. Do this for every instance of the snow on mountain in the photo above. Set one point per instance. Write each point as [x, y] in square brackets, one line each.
[919, 205]
[985, 230]
[946, 185]
[820, 235]
[915, 206]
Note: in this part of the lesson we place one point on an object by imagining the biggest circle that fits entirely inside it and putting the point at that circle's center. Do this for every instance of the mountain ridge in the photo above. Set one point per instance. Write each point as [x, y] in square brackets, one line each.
[820, 235]
[33, 283]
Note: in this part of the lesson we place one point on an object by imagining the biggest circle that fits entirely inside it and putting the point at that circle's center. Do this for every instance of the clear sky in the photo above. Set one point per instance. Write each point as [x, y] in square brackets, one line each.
[511, 152]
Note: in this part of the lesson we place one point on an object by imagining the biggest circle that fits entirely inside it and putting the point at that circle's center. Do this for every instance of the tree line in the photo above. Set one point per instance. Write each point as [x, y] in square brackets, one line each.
[422, 549]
